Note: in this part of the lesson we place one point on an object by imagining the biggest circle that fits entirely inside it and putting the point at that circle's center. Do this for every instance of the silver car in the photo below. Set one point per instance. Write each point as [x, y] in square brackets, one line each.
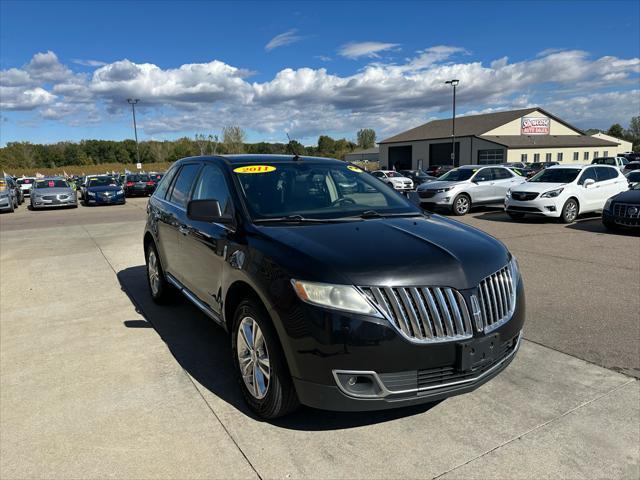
[8, 198]
[471, 185]
[52, 192]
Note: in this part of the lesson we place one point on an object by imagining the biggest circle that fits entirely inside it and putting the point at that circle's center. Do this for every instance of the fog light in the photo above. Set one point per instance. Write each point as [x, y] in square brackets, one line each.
[551, 208]
[359, 384]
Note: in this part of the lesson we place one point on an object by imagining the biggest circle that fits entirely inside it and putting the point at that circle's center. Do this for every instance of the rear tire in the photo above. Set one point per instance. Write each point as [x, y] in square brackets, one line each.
[461, 205]
[569, 211]
[516, 215]
[266, 384]
[160, 290]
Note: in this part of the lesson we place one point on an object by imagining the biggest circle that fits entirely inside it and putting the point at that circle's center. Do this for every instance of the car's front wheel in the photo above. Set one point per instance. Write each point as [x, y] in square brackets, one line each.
[461, 205]
[569, 211]
[259, 363]
[158, 286]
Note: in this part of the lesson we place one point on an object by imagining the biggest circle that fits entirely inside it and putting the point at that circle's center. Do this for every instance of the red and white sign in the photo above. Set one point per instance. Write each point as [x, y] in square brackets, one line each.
[535, 126]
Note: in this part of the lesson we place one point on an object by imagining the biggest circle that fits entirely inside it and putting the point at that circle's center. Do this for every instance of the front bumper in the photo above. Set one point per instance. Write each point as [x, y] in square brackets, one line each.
[547, 207]
[320, 344]
[623, 221]
[5, 203]
[40, 203]
[106, 200]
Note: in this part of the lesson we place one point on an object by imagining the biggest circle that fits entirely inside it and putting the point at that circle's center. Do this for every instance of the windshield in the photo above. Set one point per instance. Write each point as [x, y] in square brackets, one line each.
[634, 176]
[604, 161]
[393, 174]
[556, 175]
[51, 183]
[24, 181]
[316, 191]
[102, 182]
[458, 175]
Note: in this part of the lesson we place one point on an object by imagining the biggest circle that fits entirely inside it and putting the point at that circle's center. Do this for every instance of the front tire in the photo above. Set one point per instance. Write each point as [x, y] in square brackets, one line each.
[461, 205]
[569, 211]
[159, 288]
[259, 363]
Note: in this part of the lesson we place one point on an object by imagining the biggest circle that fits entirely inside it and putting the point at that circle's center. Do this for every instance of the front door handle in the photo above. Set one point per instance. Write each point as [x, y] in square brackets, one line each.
[183, 229]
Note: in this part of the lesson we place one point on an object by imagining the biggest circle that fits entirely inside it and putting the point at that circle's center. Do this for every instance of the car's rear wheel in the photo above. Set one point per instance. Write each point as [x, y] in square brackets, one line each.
[516, 215]
[461, 205]
[259, 363]
[569, 211]
[158, 286]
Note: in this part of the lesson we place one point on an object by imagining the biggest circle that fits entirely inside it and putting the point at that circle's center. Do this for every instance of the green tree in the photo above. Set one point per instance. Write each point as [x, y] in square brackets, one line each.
[633, 133]
[616, 130]
[233, 138]
[326, 144]
[366, 138]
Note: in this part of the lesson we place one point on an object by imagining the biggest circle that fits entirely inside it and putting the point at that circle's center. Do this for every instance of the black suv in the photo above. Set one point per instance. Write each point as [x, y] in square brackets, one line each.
[337, 291]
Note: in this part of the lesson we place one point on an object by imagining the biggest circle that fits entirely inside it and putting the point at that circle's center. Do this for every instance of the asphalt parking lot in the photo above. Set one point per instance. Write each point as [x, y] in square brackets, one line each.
[96, 381]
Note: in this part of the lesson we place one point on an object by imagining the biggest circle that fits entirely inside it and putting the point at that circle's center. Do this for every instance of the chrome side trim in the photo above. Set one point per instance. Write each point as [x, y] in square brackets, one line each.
[386, 392]
[195, 300]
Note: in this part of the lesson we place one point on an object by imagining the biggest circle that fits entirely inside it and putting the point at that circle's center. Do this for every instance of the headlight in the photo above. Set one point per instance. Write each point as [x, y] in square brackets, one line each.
[340, 297]
[509, 193]
[515, 269]
[120, 192]
[441, 190]
[552, 193]
[91, 194]
[607, 204]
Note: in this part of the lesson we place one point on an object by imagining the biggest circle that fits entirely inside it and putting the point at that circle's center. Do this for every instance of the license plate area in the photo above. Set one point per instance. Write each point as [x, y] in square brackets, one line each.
[476, 353]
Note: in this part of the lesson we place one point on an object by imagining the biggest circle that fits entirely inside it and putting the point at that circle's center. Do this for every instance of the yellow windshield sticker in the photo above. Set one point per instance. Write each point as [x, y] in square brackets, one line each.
[255, 169]
[354, 169]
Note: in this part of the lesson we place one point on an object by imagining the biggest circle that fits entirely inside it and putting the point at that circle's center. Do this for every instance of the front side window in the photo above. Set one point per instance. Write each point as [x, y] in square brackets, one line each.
[320, 191]
[182, 187]
[501, 173]
[606, 173]
[163, 186]
[588, 173]
[484, 175]
[212, 185]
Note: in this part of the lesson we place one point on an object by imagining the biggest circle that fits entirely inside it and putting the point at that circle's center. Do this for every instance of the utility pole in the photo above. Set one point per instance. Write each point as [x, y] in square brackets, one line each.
[454, 84]
[132, 102]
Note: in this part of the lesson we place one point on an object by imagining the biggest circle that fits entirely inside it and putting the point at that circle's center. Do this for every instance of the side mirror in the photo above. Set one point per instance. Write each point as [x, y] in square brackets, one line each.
[206, 211]
[588, 182]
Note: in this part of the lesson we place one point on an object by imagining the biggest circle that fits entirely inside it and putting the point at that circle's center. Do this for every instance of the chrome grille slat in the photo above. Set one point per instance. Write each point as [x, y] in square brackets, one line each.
[437, 321]
[465, 312]
[442, 305]
[413, 318]
[497, 298]
[457, 317]
[397, 308]
[422, 310]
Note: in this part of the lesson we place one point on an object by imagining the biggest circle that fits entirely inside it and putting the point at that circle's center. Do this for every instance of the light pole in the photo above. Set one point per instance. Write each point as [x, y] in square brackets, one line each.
[453, 83]
[132, 102]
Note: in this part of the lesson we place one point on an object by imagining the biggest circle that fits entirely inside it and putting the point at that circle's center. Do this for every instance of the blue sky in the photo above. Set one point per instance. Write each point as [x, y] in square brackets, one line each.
[307, 68]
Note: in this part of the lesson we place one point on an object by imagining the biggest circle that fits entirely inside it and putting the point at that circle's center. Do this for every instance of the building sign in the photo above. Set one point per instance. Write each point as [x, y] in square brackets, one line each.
[535, 126]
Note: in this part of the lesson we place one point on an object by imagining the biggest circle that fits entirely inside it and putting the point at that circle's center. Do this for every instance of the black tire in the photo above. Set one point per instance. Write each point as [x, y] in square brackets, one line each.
[570, 211]
[163, 293]
[516, 215]
[11, 207]
[461, 205]
[280, 397]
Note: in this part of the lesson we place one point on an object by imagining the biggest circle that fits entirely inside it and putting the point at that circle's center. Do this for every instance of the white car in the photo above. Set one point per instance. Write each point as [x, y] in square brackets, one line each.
[470, 185]
[394, 179]
[619, 162]
[565, 191]
[25, 184]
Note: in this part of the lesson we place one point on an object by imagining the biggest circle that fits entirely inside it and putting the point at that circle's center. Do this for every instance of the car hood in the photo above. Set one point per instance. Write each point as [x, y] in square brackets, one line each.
[436, 184]
[55, 191]
[538, 187]
[105, 188]
[399, 179]
[420, 251]
[630, 196]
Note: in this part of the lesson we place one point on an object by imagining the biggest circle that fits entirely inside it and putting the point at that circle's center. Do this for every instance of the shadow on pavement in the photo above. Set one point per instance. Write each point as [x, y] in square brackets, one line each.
[203, 350]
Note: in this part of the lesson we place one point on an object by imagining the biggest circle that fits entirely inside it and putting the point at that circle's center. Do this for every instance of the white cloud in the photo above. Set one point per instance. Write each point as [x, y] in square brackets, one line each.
[15, 98]
[286, 38]
[88, 63]
[356, 50]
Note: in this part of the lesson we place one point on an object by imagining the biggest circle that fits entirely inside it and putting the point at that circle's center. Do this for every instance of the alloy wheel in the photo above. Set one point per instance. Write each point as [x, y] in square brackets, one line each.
[153, 272]
[253, 357]
[571, 211]
[462, 205]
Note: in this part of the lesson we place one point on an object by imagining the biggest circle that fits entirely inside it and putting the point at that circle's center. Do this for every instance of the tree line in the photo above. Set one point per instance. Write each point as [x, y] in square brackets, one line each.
[631, 134]
[26, 155]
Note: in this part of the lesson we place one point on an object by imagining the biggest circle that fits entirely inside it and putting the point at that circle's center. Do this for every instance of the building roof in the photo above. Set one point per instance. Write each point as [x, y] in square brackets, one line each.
[468, 125]
[543, 141]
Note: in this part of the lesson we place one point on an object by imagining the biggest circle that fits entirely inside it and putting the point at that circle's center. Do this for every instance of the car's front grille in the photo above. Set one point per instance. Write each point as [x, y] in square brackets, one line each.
[426, 193]
[49, 197]
[626, 210]
[426, 314]
[515, 208]
[524, 196]
[497, 298]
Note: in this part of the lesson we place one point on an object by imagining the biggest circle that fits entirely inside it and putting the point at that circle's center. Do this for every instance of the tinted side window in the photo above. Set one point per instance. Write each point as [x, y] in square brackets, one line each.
[182, 186]
[501, 173]
[213, 186]
[605, 173]
[588, 173]
[163, 186]
[484, 175]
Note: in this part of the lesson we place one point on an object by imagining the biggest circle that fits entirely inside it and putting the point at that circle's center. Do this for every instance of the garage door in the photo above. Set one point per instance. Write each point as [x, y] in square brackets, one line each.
[400, 157]
[440, 154]
[491, 157]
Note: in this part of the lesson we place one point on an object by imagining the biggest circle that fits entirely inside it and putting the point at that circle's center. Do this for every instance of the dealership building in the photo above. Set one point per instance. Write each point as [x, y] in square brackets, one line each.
[528, 135]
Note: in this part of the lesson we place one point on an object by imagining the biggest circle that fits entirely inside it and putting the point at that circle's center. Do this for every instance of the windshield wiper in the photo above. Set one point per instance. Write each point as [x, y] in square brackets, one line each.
[296, 219]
